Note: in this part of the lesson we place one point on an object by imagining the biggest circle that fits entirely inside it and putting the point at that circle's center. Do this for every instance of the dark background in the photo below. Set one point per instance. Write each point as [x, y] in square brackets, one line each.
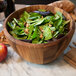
[31, 2]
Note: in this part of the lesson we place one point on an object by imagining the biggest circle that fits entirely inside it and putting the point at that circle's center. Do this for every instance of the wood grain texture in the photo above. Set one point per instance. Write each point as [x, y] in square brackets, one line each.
[39, 53]
[70, 57]
[73, 16]
[2, 38]
[66, 5]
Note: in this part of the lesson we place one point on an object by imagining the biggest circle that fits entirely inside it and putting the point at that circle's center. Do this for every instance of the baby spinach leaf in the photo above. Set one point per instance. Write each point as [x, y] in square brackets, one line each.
[47, 33]
[53, 28]
[56, 34]
[65, 22]
[48, 19]
[42, 10]
[33, 14]
[13, 34]
[61, 29]
[19, 22]
[12, 24]
[31, 28]
[59, 22]
[40, 21]
[35, 17]
[35, 41]
[19, 31]
[56, 17]
[38, 29]
[16, 36]
[32, 21]
[45, 42]
[15, 20]
[59, 13]
[26, 15]
[35, 32]
[41, 41]
[51, 22]
[22, 20]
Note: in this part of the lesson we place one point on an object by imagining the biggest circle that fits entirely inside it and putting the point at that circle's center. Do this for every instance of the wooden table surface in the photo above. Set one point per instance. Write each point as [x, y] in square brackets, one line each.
[14, 65]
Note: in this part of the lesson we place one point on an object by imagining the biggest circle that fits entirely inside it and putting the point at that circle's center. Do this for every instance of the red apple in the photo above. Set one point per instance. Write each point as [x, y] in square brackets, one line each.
[3, 51]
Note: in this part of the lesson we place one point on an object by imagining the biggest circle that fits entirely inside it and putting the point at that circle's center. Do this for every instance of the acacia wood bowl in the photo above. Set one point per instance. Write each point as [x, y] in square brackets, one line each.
[39, 53]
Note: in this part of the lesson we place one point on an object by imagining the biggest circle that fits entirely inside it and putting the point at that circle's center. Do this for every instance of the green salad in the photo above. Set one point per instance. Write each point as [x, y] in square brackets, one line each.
[39, 26]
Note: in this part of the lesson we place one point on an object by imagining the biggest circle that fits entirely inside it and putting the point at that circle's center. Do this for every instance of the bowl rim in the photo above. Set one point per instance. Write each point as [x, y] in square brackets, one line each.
[27, 43]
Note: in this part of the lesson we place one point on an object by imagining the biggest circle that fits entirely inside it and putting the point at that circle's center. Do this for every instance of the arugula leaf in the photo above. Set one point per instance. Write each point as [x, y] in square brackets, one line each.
[47, 33]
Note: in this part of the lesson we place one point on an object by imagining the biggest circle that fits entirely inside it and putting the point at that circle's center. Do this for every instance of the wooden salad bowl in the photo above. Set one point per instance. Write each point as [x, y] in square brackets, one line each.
[39, 53]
